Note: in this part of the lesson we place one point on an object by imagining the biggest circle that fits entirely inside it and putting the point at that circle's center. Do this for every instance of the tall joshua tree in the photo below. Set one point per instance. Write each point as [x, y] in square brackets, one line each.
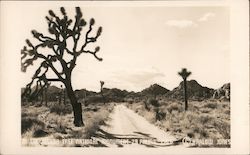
[61, 48]
[184, 74]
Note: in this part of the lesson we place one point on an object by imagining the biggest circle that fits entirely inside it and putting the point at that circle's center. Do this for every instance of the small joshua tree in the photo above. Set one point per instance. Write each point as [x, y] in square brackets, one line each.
[184, 74]
[102, 83]
[62, 47]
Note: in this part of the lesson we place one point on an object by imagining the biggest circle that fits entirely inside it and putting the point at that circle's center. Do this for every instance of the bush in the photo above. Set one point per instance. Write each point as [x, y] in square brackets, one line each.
[153, 102]
[130, 101]
[28, 122]
[32, 127]
[93, 125]
[61, 109]
[223, 128]
[160, 116]
[174, 107]
[205, 110]
[211, 105]
[227, 112]
[96, 99]
[61, 126]
[205, 119]
[146, 105]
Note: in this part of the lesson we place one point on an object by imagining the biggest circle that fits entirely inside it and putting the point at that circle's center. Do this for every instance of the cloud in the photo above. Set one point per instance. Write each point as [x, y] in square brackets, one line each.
[181, 23]
[139, 79]
[206, 16]
[189, 23]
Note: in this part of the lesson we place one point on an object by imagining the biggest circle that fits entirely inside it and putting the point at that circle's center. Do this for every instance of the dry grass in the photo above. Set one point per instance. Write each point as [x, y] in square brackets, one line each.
[205, 119]
[57, 121]
[31, 127]
[61, 109]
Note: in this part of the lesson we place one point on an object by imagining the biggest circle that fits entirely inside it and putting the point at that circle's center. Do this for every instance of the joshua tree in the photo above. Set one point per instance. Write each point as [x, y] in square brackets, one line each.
[184, 74]
[60, 48]
[46, 94]
[102, 83]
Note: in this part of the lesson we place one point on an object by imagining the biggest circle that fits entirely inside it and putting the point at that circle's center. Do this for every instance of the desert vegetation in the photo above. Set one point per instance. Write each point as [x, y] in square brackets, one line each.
[205, 118]
[209, 119]
[56, 121]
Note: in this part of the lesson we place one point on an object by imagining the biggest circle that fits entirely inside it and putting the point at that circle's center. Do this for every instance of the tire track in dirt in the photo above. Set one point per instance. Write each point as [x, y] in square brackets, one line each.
[125, 124]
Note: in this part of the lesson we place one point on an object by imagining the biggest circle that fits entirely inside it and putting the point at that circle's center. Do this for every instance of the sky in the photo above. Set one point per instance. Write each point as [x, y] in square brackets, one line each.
[141, 46]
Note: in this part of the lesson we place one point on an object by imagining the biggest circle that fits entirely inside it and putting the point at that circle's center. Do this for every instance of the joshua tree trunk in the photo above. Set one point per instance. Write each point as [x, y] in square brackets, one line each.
[76, 106]
[45, 97]
[64, 97]
[42, 97]
[184, 74]
[185, 94]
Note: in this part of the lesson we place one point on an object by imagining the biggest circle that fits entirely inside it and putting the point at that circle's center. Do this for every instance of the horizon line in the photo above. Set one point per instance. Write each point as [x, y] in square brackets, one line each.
[141, 89]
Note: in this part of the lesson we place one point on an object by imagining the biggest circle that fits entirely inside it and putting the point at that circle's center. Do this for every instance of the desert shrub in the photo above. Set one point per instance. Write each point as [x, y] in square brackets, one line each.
[205, 119]
[91, 128]
[61, 126]
[148, 115]
[205, 110]
[198, 131]
[146, 105]
[39, 133]
[32, 127]
[167, 125]
[174, 107]
[129, 100]
[211, 105]
[190, 134]
[28, 122]
[138, 107]
[94, 109]
[61, 109]
[223, 127]
[160, 115]
[225, 104]
[227, 112]
[153, 102]
[96, 99]
[187, 119]
[93, 124]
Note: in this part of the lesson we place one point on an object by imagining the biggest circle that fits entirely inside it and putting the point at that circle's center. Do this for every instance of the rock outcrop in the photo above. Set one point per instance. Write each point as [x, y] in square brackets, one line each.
[194, 91]
[223, 92]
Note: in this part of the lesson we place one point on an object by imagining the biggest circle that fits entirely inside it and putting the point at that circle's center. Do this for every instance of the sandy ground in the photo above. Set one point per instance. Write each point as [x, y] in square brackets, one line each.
[128, 129]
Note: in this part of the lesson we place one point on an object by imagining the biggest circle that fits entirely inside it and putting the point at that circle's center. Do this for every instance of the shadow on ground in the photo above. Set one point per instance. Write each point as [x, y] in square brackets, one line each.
[138, 137]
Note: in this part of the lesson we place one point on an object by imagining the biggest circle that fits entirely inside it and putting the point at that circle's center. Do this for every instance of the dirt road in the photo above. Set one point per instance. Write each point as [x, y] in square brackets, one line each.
[126, 128]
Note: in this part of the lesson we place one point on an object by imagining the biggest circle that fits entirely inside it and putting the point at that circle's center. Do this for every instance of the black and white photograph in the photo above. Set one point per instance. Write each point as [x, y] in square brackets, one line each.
[136, 75]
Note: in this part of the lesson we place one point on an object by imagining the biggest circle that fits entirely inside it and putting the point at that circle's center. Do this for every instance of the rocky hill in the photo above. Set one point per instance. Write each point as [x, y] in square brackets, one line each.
[82, 93]
[194, 91]
[153, 90]
[223, 92]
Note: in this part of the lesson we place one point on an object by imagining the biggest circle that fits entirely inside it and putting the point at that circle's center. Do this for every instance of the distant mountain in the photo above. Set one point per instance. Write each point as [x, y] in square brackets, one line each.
[194, 91]
[223, 92]
[114, 92]
[51, 89]
[52, 92]
[154, 90]
[82, 93]
[110, 95]
[54, 89]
